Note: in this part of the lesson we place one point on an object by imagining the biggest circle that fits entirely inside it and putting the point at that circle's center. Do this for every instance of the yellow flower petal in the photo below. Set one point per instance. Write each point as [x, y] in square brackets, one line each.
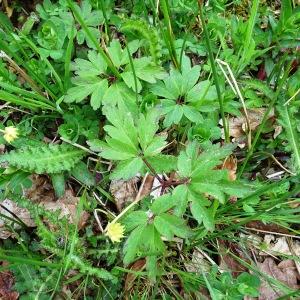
[115, 231]
[10, 133]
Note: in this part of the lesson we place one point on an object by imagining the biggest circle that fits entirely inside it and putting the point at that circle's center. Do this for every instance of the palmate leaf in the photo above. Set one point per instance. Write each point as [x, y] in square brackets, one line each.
[203, 178]
[169, 225]
[88, 80]
[127, 169]
[145, 70]
[132, 140]
[119, 55]
[144, 239]
[44, 159]
[120, 94]
[181, 94]
[95, 88]
[202, 214]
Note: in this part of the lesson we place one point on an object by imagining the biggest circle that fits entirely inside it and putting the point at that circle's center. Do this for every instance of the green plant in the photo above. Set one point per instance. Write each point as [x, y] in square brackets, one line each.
[133, 142]
[121, 118]
[92, 75]
[45, 158]
[182, 96]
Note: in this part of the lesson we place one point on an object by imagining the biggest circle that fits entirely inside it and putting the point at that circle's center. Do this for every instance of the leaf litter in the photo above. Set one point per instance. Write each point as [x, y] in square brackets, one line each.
[41, 192]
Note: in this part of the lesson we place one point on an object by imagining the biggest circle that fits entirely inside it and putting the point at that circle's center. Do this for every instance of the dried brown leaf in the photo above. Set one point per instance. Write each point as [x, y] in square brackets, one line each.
[237, 125]
[40, 190]
[68, 207]
[284, 272]
[66, 204]
[227, 261]
[147, 186]
[22, 213]
[277, 246]
[6, 284]
[230, 163]
[270, 227]
[138, 265]
[124, 191]
[198, 263]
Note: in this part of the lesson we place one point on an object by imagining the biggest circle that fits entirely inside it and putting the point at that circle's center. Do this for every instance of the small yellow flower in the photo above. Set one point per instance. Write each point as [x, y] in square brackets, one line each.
[10, 133]
[115, 231]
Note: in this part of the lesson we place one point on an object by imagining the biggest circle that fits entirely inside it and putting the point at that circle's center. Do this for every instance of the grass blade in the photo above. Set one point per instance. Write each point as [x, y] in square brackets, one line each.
[53, 71]
[214, 72]
[68, 57]
[25, 102]
[291, 132]
[245, 58]
[169, 36]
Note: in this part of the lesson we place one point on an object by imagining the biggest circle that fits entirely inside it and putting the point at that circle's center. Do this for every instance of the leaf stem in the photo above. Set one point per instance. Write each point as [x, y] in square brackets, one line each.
[161, 181]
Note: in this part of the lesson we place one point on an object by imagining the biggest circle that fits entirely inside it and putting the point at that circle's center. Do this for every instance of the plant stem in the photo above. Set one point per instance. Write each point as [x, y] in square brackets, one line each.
[68, 57]
[107, 30]
[214, 72]
[152, 170]
[170, 35]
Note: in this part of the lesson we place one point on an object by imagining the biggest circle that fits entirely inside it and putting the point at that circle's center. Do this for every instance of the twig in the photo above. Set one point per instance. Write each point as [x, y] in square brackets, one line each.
[275, 233]
[278, 162]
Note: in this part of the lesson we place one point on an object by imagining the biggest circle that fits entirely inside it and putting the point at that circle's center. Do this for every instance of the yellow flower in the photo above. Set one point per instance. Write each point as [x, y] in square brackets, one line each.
[115, 231]
[10, 133]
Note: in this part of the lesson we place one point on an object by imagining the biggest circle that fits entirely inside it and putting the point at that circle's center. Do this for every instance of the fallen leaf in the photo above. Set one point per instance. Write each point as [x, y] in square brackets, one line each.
[284, 272]
[138, 265]
[6, 283]
[230, 163]
[270, 227]
[10, 208]
[280, 246]
[148, 185]
[275, 246]
[227, 261]
[124, 191]
[66, 204]
[277, 131]
[40, 190]
[237, 125]
[9, 10]
[198, 263]
[68, 207]
[156, 188]
[262, 74]
[2, 148]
